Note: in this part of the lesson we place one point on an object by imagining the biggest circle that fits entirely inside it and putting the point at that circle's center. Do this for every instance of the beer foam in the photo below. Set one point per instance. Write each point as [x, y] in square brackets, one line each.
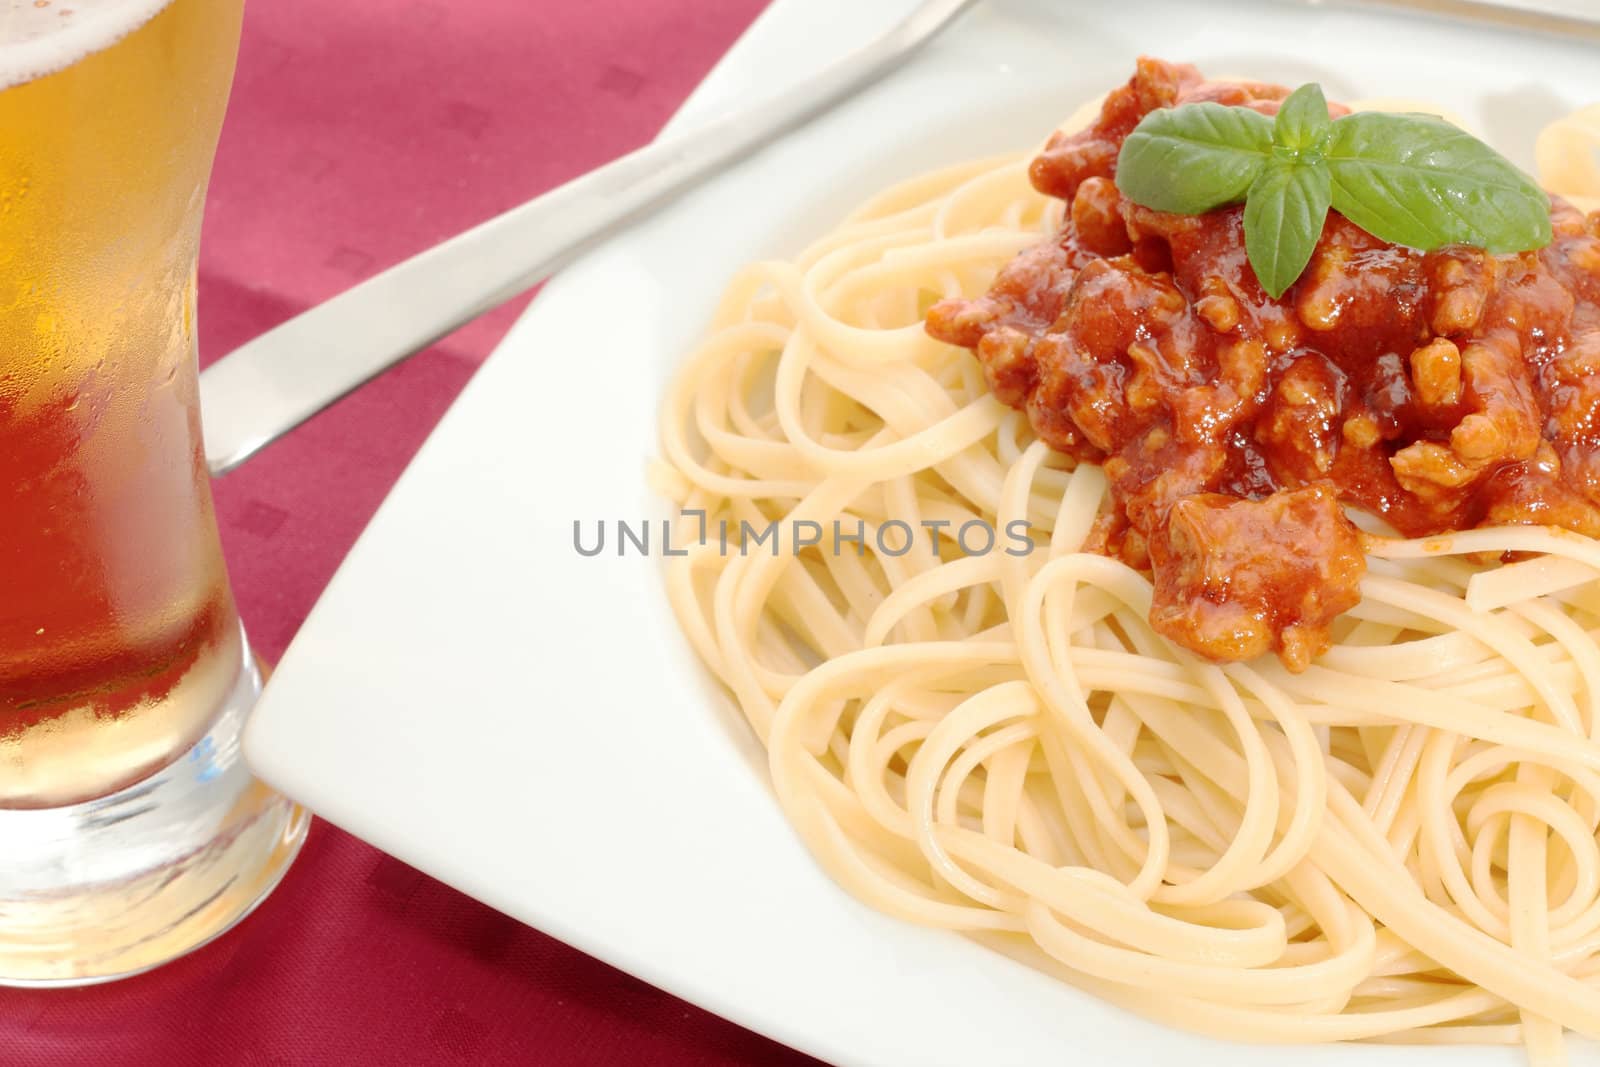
[39, 37]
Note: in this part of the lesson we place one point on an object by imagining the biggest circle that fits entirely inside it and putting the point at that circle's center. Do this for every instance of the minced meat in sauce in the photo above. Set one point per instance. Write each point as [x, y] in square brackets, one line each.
[1441, 390]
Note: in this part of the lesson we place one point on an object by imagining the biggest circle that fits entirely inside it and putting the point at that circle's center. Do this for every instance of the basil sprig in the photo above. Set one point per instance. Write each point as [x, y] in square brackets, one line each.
[1409, 179]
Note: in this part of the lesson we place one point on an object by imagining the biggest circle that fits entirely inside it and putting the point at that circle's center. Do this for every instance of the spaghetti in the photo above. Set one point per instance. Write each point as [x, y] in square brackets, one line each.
[1397, 843]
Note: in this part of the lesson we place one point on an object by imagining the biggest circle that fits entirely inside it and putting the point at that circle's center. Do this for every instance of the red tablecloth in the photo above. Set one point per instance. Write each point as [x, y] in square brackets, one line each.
[360, 132]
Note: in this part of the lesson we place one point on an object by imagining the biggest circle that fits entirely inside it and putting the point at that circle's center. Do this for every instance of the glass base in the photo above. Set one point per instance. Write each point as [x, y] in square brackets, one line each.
[112, 887]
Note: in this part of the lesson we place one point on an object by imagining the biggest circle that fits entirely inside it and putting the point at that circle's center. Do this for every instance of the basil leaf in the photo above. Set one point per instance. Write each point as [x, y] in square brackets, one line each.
[1283, 219]
[1417, 180]
[1190, 159]
[1303, 124]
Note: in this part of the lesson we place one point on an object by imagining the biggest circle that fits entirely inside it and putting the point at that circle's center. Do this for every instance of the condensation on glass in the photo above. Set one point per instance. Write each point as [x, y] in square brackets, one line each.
[121, 653]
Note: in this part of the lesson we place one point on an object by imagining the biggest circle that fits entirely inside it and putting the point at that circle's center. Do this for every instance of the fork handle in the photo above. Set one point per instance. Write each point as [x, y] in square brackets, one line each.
[273, 383]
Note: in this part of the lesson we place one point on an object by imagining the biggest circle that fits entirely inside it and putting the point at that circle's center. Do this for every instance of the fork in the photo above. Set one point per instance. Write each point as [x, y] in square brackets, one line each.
[271, 384]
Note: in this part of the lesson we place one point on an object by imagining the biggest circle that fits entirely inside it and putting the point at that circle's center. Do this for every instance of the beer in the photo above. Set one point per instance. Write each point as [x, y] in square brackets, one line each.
[130, 829]
[118, 637]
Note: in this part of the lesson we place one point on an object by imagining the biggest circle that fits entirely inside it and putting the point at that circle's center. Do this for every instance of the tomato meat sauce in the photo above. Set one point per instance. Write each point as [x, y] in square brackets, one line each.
[1439, 390]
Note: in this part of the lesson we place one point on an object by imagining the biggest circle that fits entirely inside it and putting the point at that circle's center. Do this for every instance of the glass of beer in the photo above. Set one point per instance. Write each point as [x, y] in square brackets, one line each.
[130, 830]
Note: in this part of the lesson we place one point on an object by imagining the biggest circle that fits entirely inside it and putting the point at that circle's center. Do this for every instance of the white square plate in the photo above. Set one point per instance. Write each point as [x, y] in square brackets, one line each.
[526, 724]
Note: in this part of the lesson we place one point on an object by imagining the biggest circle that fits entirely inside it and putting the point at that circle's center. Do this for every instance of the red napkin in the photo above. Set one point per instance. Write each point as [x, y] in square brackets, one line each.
[361, 132]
